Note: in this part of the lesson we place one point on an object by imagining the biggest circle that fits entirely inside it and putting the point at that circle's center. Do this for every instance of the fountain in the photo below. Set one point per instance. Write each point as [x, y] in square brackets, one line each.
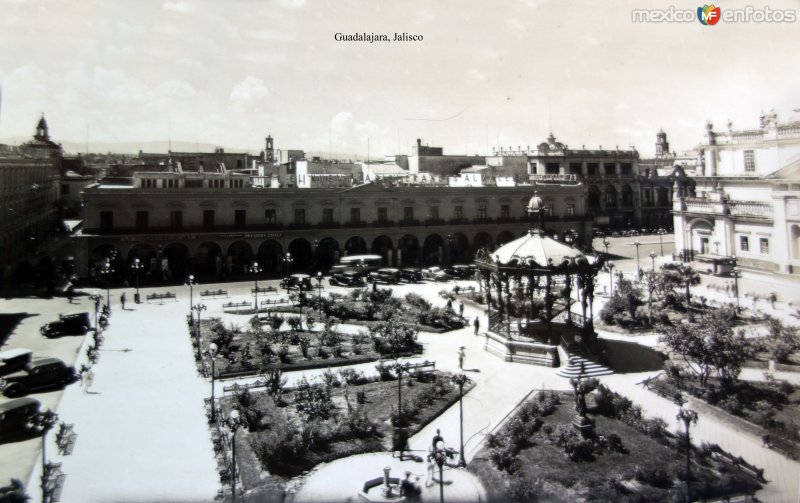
[382, 489]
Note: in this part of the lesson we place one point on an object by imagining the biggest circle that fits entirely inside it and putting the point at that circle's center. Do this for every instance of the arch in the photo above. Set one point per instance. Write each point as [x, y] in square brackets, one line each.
[794, 235]
[328, 253]
[382, 245]
[611, 196]
[627, 195]
[240, 256]
[270, 256]
[208, 260]
[700, 241]
[505, 237]
[175, 261]
[355, 246]
[408, 247]
[148, 258]
[458, 248]
[103, 252]
[482, 240]
[302, 254]
[594, 197]
[433, 249]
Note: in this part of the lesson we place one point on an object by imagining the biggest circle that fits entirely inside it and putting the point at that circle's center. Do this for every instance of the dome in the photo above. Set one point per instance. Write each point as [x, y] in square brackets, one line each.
[536, 203]
[537, 248]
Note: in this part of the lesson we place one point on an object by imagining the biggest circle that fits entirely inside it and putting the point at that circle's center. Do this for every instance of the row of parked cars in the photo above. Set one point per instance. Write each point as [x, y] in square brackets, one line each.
[386, 275]
[601, 233]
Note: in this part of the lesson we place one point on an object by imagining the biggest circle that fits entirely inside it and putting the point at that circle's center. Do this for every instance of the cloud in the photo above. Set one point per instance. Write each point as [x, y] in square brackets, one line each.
[292, 4]
[622, 106]
[517, 24]
[177, 6]
[477, 74]
[251, 89]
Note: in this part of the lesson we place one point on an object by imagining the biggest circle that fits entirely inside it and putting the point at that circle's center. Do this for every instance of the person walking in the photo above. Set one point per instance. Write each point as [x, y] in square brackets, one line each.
[461, 310]
[122, 300]
[461, 356]
[477, 325]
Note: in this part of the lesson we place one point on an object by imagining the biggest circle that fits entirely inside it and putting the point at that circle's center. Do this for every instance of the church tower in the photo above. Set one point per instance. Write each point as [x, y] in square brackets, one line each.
[42, 132]
[662, 145]
[269, 152]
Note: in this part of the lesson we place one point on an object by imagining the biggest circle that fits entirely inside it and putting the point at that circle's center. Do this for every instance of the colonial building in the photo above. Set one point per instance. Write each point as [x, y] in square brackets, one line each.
[745, 201]
[216, 224]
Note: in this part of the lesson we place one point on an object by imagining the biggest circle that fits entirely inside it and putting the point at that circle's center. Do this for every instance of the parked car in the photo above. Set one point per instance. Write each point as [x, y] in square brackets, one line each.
[347, 278]
[16, 415]
[67, 324]
[435, 273]
[411, 275]
[39, 374]
[387, 275]
[461, 271]
[14, 359]
[300, 282]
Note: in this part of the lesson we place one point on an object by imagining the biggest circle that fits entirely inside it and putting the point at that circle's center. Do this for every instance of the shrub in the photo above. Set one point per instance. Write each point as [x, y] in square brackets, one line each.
[505, 459]
[384, 372]
[361, 397]
[330, 379]
[353, 377]
[314, 400]
[283, 354]
[522, 488]
[655, 476]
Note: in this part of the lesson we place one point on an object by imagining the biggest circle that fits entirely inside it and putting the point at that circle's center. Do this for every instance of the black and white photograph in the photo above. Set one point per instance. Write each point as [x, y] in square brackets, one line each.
[298, 251]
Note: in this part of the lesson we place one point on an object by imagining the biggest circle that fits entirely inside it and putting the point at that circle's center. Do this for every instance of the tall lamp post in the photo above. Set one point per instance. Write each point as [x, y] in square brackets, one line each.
[460, 380]
[637, 244]
[610, 266]
[606, 244]
[439, 454]
[199, 308]
[106, 270]
[688, 416]
[661, 233]
[650, 286]
[287, 261]
[44, 421]
[653, 261]
[96, 299]
[736, 273]
[233, 422]
[212, 353]
[190, 282]
[255, 269]
[319, 290]
[136, 266]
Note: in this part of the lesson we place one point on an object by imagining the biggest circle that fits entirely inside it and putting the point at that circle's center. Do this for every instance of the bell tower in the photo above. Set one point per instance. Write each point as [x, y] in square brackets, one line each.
[662, 145]
[42, 131]
[269, 151]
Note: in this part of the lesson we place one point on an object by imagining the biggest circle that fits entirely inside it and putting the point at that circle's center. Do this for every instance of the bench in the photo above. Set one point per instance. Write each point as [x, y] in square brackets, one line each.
[272, 302]
[259, 383]
[785, 447]
[264, 289]
[161, 296]
[652, 385]
[236, 305]
[214, 293]
[418, 370]
[740, 464]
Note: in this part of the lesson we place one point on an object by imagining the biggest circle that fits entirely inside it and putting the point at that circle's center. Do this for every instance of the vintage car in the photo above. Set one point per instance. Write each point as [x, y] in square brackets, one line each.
[39, 374]
[67, 324]
[300, 282]
[386, 275]
[411, 275]
[461, 271]
[14, 359]
[16, 415]
[435, 273]
[347, 278]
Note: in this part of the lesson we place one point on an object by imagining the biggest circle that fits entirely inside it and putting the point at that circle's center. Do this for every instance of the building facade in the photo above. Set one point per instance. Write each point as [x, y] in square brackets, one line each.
[216, 228]
[745, 200]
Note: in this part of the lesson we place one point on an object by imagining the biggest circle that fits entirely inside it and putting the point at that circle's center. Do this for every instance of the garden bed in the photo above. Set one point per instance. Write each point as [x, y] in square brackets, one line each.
[289, 432]
[633, 458]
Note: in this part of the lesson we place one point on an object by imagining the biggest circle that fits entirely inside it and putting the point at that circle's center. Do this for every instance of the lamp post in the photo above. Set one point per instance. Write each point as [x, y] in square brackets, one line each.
[606, 244]
[653, 261]
[212, 353]
[736, 273]
[637, 244]
[190, 282]
[136, 266]
[287, 260]
[661, 233]
[439, 454]
[361, 267]
[105, 271]
[255, 269]
[199, 308]
[610, 266]
[688, 416]
[97, 299]
[319, 290]
[44, 421]
[233, 422]
[460, 380]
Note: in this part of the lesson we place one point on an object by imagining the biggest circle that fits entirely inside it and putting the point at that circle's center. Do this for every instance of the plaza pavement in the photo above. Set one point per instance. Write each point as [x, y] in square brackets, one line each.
[143, 436]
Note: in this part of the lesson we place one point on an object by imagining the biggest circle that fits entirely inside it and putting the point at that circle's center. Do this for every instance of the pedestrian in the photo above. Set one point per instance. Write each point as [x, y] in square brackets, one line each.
[461, 309]
[461, 356]
[766, 441]
[477, 324]
[122, 300]
[87, 381]
[70, 292]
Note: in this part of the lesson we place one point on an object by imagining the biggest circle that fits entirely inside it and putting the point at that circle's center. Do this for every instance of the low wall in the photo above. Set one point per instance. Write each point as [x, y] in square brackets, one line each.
[533, 353]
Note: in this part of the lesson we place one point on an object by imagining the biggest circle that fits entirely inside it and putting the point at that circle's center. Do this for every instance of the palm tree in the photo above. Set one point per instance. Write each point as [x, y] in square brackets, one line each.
[683, 275]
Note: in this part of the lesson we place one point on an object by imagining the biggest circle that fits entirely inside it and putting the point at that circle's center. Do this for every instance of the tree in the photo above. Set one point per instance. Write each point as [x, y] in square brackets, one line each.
[711, 345]
[781, 340]
[399, 333]
[678, 274]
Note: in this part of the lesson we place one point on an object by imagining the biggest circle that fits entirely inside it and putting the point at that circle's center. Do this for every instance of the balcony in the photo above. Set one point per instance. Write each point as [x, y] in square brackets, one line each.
[434, 221]
[408, 223]
[753, 209]
[383, 223]
[698, 205]
[484, 220]
[355, 225]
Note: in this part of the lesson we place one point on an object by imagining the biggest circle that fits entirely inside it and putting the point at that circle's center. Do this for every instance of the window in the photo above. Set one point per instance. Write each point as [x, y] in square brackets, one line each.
[574, 168]
[609, 168]
[142, 219]
[408, 213]
[749, 161]
[551, 168]
[106, 220]
[547, 210]
[744, 243]
[763, 244]
[240, 218]
[570, 210]
[270, 216]
[458, 212]
[434, 213]
[208, 219]
[176, 219]
[482, 211]
[592, 168]
[626, 169]
[327, 215]
[505, 211]
[299, 216]
[383, 215]
[65, 188]
[355, 215]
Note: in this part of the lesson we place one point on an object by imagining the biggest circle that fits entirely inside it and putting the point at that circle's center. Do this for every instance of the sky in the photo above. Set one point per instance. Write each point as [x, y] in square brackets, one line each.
[486, 74]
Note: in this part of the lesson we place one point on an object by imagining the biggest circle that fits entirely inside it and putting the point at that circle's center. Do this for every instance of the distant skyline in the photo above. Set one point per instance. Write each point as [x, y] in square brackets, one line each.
[485, 75]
